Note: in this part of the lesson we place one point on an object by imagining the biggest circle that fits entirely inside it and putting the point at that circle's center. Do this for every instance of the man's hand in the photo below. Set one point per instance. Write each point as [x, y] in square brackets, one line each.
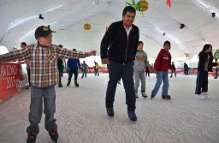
[1, 59]
[92, 53]
[105, 61]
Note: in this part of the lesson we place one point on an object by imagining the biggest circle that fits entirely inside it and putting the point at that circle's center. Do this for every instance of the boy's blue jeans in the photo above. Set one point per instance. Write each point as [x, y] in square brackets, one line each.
[38, 96]
[216, 72]
[161, 76]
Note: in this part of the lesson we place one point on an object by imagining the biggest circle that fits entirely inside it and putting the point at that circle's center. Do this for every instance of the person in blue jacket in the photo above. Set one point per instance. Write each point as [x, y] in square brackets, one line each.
[73, 65]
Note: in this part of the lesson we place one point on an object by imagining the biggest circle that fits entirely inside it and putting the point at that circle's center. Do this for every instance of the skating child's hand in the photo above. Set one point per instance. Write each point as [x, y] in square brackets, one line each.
[92, 53]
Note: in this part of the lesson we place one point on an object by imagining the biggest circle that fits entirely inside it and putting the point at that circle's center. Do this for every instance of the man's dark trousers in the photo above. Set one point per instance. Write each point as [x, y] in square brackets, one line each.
[125, 71]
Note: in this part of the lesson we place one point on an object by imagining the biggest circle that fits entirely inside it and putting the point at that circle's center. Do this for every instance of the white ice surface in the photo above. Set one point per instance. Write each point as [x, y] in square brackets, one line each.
[81, 115]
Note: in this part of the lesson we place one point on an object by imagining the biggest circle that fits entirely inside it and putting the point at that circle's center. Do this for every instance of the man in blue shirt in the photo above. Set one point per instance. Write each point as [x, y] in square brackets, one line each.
[73, 65]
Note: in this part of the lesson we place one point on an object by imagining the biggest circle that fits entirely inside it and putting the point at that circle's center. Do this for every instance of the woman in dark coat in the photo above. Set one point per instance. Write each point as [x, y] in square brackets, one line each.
[205, 65]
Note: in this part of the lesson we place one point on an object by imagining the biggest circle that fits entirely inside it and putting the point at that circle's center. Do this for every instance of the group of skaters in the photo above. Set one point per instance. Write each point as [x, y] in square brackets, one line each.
[73, 65]
[173, 69]
[120, 49]
[186, 69]
[161, 67]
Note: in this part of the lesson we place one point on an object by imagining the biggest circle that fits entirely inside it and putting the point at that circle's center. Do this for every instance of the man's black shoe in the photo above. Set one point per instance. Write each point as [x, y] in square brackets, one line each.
[110, 111]
[54, 135]
[168, 97]
[132, 116]
[76, 85]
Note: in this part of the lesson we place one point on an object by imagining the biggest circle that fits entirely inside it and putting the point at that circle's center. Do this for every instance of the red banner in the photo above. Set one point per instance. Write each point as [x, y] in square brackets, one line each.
[10, 79]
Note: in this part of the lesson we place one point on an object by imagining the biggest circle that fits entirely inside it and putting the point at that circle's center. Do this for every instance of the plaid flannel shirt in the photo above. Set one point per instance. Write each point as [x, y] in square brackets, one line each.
[42, 61]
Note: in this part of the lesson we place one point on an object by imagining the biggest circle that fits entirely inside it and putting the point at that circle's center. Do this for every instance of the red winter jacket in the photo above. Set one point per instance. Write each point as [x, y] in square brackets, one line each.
[163, 61]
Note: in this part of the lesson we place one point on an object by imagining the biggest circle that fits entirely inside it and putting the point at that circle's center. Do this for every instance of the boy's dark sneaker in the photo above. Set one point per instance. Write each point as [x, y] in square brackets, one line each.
[110, 111]
[54, 135]
[167, 97]
[31, 138]
[132, 116]
[164, 97]
[144, 94]
[152, 96]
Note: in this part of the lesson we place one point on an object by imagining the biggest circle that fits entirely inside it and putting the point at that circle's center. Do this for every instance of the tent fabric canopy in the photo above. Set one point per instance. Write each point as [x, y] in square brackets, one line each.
[20, 18]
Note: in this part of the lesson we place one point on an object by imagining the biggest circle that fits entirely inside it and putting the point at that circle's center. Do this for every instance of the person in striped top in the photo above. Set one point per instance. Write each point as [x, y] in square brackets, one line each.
[43, 71]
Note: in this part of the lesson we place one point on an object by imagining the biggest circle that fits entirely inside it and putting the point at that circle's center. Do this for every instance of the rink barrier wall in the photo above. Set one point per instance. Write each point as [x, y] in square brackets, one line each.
[178, 71]
[12, 79]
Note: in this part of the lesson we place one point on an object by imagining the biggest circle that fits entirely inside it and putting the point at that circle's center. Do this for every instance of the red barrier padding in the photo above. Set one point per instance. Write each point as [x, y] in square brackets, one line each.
[11, 79]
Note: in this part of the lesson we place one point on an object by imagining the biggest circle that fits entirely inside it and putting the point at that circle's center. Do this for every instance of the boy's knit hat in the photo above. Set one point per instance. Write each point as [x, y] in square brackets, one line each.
[43, 31]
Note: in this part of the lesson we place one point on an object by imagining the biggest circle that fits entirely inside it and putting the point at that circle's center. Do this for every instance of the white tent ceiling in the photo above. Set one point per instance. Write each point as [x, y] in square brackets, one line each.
[19, 19]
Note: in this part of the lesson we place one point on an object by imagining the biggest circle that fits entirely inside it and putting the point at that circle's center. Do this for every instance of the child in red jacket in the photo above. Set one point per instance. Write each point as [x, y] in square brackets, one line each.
[161, 66]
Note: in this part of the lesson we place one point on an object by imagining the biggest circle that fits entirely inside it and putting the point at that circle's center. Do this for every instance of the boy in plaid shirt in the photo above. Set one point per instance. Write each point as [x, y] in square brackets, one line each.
[43, 71]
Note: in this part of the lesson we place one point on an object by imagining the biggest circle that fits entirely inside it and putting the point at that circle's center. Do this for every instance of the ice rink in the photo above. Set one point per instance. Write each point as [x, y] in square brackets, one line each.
[81, 115]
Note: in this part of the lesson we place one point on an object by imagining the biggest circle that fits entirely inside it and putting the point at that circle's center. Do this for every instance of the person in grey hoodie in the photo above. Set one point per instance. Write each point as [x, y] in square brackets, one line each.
[139, 69]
